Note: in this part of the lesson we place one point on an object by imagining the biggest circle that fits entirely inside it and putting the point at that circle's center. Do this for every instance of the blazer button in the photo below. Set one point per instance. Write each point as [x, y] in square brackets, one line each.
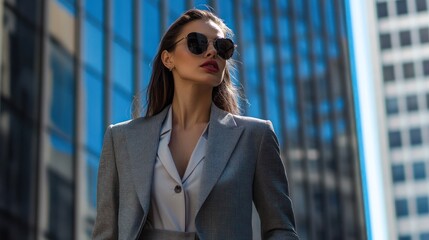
[178, 189]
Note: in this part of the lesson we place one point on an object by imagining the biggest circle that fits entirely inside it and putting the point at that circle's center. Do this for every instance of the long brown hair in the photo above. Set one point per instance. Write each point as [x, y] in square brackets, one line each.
[161, 86]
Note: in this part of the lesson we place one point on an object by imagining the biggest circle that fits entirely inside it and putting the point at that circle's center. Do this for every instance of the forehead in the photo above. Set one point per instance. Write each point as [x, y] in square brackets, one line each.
[206, 27]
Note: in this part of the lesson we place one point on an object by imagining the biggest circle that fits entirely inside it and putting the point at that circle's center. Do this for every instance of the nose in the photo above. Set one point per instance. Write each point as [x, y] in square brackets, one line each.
[211, 50]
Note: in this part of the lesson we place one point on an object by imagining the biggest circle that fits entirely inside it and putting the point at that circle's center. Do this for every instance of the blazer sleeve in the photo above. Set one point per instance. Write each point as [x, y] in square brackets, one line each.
[271, 191]
[106, 226]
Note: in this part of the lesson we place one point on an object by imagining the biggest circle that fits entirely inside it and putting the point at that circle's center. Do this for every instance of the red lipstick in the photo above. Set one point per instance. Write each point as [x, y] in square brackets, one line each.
[210, 66]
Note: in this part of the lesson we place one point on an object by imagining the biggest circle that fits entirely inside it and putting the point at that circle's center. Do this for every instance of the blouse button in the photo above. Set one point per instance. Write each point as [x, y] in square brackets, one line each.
[178, 189]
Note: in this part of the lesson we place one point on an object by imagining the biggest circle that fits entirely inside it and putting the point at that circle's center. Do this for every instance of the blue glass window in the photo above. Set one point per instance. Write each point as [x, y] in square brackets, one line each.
[422, 204]
[401, 206]
[427, 100]
[122, 67]
[416, 136]
[424, 236]
[176, 8]
[404, 237]
[401, 7]
[93, 110]
[398, 173]
[122, 19]
[388, 73]
[62, 90]
[392, 106]
[395, 139]
[412, 103]
[421, 5]
[121, 106]
[419, 170]
[382, 10]
[93, 46]
[151, 25]
[95, 9]
[425, 66]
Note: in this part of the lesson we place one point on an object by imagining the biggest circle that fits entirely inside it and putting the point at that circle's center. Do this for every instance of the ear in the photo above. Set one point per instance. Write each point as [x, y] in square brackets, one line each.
[167, 59]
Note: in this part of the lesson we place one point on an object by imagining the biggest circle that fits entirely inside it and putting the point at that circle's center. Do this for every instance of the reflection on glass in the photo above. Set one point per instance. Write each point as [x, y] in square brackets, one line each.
[151, 29]
[122, 19]
[121, 106]
[122, 68]
[94, 8]
[61, 90]
[176, 9]
[93, 46]
[93, 110]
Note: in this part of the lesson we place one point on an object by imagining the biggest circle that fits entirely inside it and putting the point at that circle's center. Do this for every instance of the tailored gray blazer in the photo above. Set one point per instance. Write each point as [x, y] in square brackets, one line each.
[242, 165]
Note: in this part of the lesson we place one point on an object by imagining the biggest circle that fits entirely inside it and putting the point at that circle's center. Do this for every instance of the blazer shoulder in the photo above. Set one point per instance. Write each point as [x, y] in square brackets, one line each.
[252, 122]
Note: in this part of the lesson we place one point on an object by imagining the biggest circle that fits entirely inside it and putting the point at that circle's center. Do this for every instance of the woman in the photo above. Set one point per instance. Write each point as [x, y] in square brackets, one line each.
[190, 169]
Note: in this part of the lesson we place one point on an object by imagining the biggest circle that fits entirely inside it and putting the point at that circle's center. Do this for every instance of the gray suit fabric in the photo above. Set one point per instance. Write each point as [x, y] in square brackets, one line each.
[242, 165]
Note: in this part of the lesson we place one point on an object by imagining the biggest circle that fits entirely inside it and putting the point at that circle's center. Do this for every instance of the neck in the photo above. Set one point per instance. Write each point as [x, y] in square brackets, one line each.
[191, 107]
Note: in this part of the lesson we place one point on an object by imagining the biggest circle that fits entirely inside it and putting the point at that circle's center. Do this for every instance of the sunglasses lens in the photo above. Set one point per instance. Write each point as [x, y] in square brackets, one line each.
[225, 48]
[197, 43]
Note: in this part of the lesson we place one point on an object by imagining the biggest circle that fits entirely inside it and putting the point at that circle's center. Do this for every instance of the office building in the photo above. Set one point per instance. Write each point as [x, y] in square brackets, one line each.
[69, 68]
[399, 37]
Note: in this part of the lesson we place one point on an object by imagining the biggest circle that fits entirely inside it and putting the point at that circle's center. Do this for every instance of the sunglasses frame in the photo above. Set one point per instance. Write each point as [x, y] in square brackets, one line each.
[215, 42]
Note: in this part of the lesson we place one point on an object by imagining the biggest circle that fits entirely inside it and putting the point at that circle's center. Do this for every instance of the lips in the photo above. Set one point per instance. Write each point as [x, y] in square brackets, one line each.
[210, 66]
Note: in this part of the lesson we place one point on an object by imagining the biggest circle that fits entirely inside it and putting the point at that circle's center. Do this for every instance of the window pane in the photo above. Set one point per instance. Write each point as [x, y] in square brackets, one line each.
[412, 103]
[419, 170]
[385, 41]
[422, 205]
[405, 38]
[426, 67]
[94, 8]
[424, 236]
[122, 19]
[61, 90]
[408, 70]
[382, 10]
[401, 7]
[93, 110]
[388, 73]
[398, 173]
[121, 105]
[416, 136]
[421, 5]
[122, 68]
[404, 237]
[424, 35]
[395, 139]
[93, 46]
[401, 206]
[392, 106]
[427, 100]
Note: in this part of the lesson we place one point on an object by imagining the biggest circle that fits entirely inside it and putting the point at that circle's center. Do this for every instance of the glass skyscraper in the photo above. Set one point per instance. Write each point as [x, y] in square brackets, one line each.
[69, 68]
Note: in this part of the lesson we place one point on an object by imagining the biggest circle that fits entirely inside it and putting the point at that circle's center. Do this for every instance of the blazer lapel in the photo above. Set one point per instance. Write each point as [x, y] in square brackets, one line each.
[223, 135]
[142, 145]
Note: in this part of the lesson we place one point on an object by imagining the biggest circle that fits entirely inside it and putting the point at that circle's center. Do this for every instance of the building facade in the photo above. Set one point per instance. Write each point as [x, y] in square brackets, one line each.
[399, 31]
[69, 68]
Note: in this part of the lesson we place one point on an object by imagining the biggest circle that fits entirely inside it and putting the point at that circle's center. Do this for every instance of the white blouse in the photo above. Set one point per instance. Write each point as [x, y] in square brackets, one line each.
[174, 199]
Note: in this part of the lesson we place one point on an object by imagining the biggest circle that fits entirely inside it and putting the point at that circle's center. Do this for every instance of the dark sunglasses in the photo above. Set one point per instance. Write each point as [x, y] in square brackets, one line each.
[198, 43]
